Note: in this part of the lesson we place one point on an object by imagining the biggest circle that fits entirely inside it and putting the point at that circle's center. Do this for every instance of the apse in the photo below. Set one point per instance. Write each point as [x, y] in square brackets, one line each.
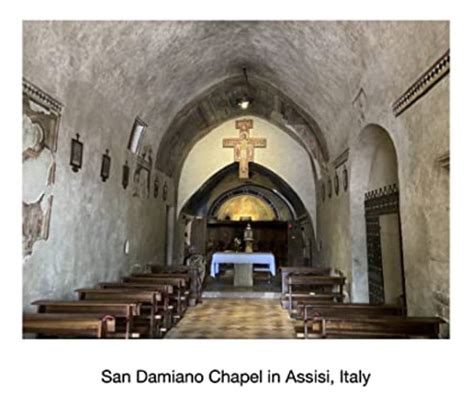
[223, 206]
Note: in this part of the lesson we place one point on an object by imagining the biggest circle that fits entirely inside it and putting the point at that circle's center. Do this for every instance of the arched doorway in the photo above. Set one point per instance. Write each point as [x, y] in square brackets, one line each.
[377, 252]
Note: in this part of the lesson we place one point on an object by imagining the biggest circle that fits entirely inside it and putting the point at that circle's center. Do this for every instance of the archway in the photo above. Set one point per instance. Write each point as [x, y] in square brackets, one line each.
[217, 104]
[288, 232]
[377, 254]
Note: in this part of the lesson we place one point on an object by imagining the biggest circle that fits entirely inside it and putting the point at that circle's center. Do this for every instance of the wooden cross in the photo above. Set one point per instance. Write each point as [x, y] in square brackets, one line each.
[244, 146]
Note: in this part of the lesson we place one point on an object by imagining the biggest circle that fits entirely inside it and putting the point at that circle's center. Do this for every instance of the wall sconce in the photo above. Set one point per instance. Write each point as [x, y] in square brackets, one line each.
[105, 167]
[76, 153]
[125, 175]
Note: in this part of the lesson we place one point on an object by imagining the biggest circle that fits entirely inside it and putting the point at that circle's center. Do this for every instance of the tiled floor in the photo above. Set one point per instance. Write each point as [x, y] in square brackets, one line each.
[234, 319]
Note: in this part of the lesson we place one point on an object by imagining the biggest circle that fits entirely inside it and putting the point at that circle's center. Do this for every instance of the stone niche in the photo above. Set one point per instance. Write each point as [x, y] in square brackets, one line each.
[41, 116]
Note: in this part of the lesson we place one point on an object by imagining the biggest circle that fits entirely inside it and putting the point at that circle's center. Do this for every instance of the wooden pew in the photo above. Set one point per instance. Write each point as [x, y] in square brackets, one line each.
[191, 271]
[148, 299]
[314, 287]
[125, 311]
[383, 327]
[69, 325]
[166, 309]
[179, 283]
[308, 310]
[286, 271]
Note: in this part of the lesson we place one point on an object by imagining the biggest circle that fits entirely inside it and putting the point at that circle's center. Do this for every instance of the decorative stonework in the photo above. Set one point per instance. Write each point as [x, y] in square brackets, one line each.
[41, 116]
[424, 83]
[35, 93]
[384, 199]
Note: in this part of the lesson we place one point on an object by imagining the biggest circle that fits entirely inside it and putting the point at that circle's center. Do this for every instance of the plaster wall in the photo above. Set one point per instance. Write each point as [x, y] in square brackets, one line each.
[333, 239]
[425, 205]
[91, 219]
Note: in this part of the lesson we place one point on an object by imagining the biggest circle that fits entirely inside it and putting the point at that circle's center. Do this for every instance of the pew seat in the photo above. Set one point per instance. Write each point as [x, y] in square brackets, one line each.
[150, 301]
[373, 327]
[123, 311]
[69, 325]
[166, 308]
[316, 287]
[193, 272]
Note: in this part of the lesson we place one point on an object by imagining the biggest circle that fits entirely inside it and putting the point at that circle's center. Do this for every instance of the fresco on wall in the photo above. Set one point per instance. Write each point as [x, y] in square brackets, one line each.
[41, 116]
[246, 207]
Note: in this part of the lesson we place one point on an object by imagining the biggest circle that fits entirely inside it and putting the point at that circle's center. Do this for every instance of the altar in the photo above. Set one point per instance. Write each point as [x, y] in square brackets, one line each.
[243, 265]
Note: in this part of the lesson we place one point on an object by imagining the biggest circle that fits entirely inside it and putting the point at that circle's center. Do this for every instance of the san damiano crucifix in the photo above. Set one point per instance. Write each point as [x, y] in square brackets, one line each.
[244, 146]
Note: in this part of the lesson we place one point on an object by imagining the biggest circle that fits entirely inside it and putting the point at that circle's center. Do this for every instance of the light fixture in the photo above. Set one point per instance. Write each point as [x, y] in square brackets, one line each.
[245, 101]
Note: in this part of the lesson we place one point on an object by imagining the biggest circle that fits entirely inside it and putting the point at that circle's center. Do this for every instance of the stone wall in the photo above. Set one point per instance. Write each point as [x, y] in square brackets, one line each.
[91, 220]
[421, 139]
[345, 75]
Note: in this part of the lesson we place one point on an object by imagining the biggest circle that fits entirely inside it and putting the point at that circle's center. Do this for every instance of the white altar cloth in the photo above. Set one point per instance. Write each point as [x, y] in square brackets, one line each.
[242, 258]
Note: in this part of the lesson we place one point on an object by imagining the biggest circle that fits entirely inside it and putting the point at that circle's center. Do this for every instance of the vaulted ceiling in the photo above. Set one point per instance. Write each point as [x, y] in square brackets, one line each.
[162, 70]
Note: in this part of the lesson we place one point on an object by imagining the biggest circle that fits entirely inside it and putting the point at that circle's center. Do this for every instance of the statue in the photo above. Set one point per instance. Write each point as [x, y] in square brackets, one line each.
[248, 238]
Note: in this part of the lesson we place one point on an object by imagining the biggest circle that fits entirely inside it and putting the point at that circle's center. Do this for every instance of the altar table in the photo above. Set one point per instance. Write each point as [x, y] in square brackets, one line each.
[243, 258]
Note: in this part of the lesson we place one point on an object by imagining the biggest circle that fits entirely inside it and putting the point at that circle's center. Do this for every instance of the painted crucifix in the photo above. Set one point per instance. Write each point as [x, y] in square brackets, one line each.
[244, 146]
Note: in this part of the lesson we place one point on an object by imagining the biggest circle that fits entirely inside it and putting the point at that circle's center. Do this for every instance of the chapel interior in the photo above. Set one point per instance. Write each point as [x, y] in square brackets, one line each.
[235, 179]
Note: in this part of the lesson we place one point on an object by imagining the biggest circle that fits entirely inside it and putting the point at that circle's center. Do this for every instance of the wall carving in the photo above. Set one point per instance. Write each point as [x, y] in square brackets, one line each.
[41, 118]
[422, 85]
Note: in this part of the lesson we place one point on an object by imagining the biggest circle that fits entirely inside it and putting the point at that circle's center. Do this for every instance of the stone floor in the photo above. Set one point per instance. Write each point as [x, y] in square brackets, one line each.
[234, 319]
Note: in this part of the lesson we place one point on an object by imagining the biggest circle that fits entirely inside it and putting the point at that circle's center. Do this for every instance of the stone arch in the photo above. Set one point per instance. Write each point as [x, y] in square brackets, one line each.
[217, 104]
[374, 166]
[198, 210]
